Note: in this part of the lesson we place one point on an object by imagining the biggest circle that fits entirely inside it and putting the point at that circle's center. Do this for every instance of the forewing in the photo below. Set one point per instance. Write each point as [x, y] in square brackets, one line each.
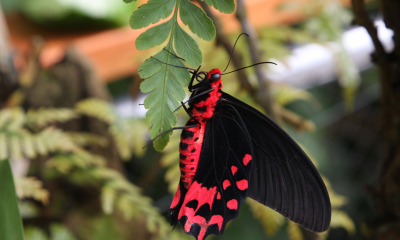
[221, 181]
[283, 177]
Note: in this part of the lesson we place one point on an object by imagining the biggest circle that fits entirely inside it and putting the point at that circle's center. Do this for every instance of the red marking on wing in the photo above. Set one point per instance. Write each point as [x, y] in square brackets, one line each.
[242, 184]
[177, 197]
[232, 204]
[226, 184]
[234, 170]
[216, 219]
[219, 195]
[203, 196]
[247, 158]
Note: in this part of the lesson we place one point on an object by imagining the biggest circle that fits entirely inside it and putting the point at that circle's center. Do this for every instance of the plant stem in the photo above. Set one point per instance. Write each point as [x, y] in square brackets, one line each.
[263, 95]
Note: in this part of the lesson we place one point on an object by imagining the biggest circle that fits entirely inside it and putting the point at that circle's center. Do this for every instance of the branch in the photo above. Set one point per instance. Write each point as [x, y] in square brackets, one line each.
[264, 96]
[224, 41]
[362, 19]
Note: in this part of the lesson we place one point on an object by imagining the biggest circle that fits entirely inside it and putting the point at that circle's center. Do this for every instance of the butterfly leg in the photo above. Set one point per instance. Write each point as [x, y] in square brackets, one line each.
[171, 129]
[173, 54]
[193, 97]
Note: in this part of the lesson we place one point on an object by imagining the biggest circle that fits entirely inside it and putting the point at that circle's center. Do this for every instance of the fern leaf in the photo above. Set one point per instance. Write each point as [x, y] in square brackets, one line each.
[40, 145]
[108, 195]
[224, 6]
[5, 117]
[28, 146]
[60, 162]
[30, 187]
[121, 129]
[166, 86]
[85, 139]
[165, 83]
[17, 119]
[15, 147]
[122, 142]
[45, 116]
[98, 109]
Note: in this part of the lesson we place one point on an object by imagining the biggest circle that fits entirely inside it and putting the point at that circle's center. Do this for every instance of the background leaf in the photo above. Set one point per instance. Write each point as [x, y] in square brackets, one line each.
[10, 220]
[151, 12]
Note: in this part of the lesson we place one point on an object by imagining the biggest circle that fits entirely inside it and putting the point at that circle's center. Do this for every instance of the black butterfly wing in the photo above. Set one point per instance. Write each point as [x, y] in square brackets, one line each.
[283, 177]
[221, 181]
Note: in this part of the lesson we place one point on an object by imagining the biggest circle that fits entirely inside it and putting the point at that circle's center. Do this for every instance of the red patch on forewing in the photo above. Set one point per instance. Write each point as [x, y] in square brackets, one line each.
[177, 197]
[242, 184]
[234, 170]
[247, 158]
[219, 195]
[226, 184]
[232, 204]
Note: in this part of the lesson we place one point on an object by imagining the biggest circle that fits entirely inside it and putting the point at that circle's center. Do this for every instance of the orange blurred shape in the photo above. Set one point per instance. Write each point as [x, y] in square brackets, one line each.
[112, 51]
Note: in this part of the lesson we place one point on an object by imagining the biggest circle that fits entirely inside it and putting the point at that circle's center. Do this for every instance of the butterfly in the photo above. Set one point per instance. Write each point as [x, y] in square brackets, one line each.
[230, 151]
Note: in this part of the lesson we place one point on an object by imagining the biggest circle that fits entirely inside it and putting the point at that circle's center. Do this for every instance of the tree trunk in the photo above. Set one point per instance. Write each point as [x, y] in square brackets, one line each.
[385, 191]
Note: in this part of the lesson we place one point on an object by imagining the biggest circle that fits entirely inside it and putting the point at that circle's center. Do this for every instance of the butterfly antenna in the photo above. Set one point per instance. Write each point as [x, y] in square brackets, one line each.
[249, 66]
[234, 49]
[173, 65]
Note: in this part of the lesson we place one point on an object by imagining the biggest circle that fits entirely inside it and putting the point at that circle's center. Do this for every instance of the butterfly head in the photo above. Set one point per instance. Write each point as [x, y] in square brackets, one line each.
[214, 78]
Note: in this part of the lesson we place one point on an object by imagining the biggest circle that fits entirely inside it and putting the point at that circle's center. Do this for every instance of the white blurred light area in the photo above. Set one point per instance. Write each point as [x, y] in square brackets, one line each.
[308, 65]
[313, 64]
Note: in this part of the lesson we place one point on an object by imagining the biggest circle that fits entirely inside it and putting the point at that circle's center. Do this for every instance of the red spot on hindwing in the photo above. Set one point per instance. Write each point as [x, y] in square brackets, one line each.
[234, 170]
[226, 184]
[247, 158]
[219, 195]
[232, 204]
[242, 184]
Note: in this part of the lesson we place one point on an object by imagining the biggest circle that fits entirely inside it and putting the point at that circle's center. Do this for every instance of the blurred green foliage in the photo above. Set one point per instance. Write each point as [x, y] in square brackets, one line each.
[73, 14]
[10, 220]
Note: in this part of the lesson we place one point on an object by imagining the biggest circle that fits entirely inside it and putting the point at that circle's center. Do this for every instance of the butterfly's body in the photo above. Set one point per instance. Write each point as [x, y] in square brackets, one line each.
[191, 144]
[230, 151]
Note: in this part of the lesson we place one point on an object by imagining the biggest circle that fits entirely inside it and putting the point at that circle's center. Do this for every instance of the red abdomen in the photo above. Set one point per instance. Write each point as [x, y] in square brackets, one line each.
[190, 149]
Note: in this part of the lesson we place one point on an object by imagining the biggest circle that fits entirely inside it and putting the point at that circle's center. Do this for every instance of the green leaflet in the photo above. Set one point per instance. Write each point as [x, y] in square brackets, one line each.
[187, 47]
[166, 86]
[165, 83]
[199, 23]
[10, 220]
[154, 36]
[151, 12]
[129, 1]
[224, 6]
